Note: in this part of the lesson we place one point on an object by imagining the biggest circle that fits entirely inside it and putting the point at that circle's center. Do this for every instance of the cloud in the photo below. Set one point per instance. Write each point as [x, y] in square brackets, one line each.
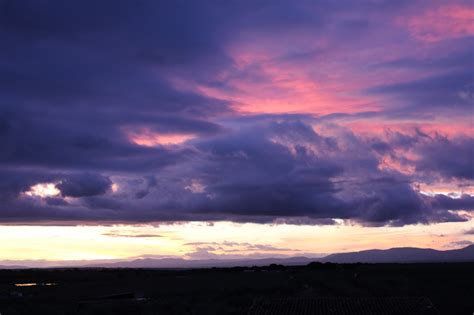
[460, 244]
[231, 247]
[440, 92]
[79, 88]
[84, 185]
[139, 112]
[441, 23]
[456, 61]
[113, 234]
[465, 202]
[203, 253]
[278, 170]
[235, 250]
[270, 171]
[451, 158]
[469, 232]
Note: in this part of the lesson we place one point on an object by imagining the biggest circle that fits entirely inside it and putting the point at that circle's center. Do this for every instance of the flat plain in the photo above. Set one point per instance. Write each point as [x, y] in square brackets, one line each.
[449, 287]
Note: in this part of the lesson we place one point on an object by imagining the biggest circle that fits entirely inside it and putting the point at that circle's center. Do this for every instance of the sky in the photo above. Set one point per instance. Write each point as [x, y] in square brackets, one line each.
[224, 129]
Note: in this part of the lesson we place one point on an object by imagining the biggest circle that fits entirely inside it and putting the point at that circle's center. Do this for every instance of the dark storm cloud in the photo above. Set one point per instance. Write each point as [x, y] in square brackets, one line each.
[273, 171]
[13, 182]
[30, 140]
[465, 202]
[251, 175]
[83, 185]
[72, 75]
[284, 170]
[74, 79]
[450, 158]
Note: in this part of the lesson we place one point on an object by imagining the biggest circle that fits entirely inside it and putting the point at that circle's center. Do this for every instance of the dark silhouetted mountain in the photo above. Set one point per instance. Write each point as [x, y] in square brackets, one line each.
[403, 255]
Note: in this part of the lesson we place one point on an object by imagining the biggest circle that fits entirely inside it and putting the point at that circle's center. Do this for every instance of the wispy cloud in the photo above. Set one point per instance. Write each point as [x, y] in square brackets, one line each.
[462, 243]
[469, 232]
[230, 247]
[112, 234]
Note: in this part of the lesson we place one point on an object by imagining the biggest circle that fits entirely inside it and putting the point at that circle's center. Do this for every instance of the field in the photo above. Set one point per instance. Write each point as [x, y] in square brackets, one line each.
[450, 288]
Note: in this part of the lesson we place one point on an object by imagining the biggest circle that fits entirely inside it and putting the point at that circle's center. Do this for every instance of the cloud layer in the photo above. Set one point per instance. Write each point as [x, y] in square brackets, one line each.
[254, 111]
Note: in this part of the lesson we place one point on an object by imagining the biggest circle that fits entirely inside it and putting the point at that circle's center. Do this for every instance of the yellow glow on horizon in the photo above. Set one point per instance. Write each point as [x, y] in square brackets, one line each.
[125, 241]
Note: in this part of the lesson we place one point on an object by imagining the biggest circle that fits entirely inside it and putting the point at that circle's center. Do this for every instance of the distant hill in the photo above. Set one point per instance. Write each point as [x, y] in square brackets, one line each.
[205, 263]
[393, 255]
[12, 267]
[403, 255]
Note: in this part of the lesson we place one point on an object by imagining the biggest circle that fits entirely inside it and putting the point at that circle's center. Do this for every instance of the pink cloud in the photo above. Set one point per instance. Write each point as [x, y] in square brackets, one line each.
[149, 138]
[444, 22]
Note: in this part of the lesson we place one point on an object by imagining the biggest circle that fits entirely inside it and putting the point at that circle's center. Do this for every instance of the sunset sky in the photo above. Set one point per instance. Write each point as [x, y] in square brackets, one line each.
[229, 129]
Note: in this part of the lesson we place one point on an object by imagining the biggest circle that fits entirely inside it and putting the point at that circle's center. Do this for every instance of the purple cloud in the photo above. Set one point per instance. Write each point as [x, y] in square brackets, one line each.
[265, 104]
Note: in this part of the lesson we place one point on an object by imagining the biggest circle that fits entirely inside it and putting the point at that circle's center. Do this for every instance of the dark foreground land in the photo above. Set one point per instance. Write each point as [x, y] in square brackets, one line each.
[443, 288]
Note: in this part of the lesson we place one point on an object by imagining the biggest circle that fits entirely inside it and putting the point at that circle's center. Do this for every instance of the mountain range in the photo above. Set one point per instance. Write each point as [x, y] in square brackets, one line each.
[393, 255]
